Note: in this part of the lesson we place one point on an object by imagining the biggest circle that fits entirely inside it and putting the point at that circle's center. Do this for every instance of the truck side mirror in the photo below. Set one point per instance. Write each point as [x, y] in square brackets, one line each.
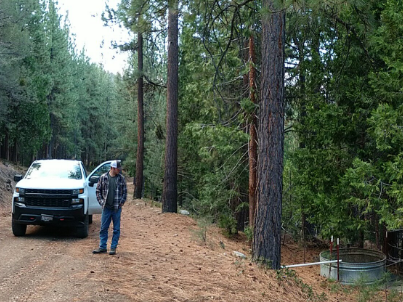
[17, 177]
[93, 180]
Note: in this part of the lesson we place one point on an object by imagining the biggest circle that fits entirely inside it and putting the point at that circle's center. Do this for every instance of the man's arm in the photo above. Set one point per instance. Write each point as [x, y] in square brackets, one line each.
[124, 191]
[98, 192]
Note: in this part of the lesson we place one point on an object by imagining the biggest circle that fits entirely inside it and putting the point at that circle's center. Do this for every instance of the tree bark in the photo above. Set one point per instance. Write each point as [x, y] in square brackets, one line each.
[140, 121]
[6, 146]
[266, 245]
[253, 136]
[170, 190]
[302, 118]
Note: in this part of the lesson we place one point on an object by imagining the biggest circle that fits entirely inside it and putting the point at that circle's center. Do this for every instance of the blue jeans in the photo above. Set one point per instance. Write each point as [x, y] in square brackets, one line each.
[109, 215]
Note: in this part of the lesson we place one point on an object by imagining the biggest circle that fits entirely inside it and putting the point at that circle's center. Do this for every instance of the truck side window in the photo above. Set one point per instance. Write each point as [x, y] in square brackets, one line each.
[105, 168]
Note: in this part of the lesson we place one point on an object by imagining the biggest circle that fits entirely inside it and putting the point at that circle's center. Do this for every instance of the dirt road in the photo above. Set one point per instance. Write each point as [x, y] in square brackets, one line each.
[52, 265]
[154, 263]
[160, 257]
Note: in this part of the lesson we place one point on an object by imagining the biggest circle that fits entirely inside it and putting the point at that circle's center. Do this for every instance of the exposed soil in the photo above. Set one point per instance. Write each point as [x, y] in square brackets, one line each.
[160, 257]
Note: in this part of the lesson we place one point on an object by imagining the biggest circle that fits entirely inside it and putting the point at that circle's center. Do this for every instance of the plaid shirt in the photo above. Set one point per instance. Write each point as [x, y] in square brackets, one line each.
[102, 190]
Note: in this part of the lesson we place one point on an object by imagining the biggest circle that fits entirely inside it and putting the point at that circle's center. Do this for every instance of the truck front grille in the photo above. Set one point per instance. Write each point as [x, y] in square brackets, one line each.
[48, 198]
[47, 202]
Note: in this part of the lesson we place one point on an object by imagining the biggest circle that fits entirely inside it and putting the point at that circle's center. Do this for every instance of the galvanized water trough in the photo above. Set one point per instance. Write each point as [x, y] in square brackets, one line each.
[362, 265]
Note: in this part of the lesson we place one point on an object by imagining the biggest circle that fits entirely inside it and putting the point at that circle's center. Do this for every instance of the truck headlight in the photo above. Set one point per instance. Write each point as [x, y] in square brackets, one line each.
[20, 190]
[77, 201]
[78, 191]
[19, 202]
[19, 199]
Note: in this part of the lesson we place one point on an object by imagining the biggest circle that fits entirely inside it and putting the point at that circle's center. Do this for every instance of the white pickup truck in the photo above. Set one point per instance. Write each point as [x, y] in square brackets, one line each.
[56, 192]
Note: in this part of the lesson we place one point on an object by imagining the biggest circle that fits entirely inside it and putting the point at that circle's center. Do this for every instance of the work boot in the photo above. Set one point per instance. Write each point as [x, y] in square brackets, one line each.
[112, 251]
[99, 251]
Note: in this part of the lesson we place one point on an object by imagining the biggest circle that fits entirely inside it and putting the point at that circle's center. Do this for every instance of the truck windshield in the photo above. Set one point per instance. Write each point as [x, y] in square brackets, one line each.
[54, 169]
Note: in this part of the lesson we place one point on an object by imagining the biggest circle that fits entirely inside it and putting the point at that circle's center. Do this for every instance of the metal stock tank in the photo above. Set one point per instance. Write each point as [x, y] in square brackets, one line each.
[361, 265]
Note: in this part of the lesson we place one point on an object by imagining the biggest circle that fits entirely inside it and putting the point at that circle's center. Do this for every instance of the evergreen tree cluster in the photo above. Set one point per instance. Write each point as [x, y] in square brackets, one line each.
[54, 102]
[343, 156]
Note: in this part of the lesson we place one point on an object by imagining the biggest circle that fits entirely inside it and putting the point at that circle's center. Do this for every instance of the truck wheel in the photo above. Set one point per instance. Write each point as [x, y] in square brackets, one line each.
[18, 229]
[89, 219]
[82, 230]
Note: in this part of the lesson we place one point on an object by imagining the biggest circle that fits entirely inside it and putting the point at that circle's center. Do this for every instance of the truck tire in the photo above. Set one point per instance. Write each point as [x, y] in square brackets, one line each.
[18, 229]
[82, 230]
[89, 219]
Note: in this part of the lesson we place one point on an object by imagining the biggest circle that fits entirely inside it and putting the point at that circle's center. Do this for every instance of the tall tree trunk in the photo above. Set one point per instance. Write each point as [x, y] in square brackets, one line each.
[170, 190]
[15, 152]
[51, 143]
[266, 245]
[302, 118]
[2, 149]
[253, 136]
[6, 146]
[140, 121]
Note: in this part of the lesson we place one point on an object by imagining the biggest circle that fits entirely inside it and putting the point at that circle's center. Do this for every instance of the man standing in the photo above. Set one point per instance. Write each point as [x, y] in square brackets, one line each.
[111, 194]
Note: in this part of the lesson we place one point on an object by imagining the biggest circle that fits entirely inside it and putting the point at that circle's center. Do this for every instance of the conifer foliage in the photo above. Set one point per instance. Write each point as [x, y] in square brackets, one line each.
[54, 102]
[324, 89]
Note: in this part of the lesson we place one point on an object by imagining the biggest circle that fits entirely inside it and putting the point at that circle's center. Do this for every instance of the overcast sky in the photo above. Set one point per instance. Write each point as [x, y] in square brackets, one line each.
[86, 24]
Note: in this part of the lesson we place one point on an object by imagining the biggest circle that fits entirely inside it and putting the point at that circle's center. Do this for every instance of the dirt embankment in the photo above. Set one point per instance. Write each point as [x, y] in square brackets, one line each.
[7, 172]
[160, 257]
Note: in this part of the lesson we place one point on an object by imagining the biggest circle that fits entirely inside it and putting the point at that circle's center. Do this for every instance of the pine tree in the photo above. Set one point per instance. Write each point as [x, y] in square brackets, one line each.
[267, 228]
[170, 190]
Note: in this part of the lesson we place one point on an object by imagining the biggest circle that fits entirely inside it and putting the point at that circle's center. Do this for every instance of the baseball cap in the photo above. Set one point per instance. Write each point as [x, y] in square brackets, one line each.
[115, 164]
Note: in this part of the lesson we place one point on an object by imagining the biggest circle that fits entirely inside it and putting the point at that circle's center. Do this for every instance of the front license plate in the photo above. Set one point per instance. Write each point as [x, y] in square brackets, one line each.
[46, 217]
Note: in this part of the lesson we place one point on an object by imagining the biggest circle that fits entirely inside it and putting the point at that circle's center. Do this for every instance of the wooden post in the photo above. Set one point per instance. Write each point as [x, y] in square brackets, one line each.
[338, 259]
[330, 256]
